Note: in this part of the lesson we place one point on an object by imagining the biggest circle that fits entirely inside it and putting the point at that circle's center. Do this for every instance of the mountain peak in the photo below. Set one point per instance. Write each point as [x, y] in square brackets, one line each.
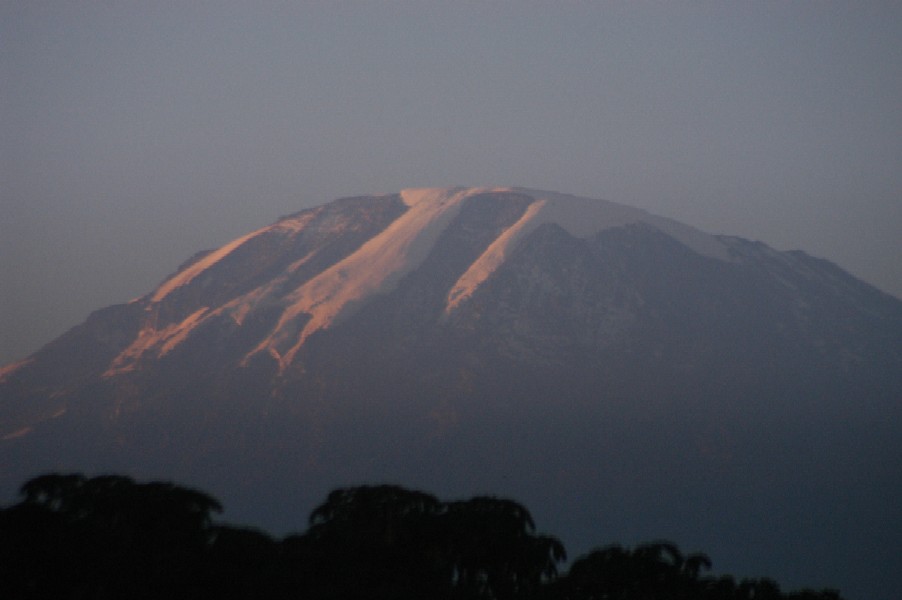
[376, 265]
[476, 337]
[278, 286]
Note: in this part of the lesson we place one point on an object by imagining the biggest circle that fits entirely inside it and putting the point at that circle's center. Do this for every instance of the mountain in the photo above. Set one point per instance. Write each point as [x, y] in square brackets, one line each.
[625, 375]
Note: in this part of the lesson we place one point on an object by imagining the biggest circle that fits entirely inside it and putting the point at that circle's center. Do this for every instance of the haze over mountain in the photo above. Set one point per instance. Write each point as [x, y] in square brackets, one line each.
[627, 376]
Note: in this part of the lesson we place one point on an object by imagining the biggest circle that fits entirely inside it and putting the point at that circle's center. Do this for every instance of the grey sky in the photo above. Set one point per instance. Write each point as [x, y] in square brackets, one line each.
[136, 133]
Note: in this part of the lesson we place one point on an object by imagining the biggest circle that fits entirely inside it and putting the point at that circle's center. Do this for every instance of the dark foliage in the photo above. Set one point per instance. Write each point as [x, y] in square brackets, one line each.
[110, 537]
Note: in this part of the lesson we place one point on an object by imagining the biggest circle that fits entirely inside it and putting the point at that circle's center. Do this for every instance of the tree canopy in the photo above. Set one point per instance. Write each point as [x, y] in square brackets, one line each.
[73, 536]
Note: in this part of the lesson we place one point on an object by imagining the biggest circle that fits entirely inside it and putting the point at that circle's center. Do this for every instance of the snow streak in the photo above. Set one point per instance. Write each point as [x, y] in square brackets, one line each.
[375, 267]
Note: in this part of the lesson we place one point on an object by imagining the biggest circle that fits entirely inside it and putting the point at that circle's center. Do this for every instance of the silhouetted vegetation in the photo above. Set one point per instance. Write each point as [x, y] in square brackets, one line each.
[110, 537]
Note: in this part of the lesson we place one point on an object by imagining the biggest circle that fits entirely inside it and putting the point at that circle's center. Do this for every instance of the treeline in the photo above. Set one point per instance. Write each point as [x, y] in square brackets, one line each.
[110, 537]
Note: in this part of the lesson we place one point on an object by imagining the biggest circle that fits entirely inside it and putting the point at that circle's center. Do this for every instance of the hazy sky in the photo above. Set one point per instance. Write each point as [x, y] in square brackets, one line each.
[133, 134]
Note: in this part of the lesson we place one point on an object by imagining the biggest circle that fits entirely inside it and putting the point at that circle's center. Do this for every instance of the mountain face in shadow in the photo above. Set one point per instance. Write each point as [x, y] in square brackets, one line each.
[629, 377]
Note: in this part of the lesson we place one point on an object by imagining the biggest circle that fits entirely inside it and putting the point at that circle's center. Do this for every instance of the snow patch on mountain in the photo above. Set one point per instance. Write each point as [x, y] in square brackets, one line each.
[583, 217]
[150, 338]
[13, 367]
[289, 225]
[294, 224]
[186, 275]
[17, 433]
[375, 267]
[492, 258]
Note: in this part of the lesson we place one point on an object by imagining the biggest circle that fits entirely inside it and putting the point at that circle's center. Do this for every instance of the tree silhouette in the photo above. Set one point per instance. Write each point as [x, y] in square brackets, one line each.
[35, 551]
[494, 550]
[387, 541]
[650, 571]
[242, 563]
[695, 564]
[109, 537]
[758, 589]
[54, 491]
[375, 542]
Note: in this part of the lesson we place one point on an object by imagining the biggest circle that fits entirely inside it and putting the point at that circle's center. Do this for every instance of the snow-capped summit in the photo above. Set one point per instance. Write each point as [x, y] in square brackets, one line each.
[311, 304]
